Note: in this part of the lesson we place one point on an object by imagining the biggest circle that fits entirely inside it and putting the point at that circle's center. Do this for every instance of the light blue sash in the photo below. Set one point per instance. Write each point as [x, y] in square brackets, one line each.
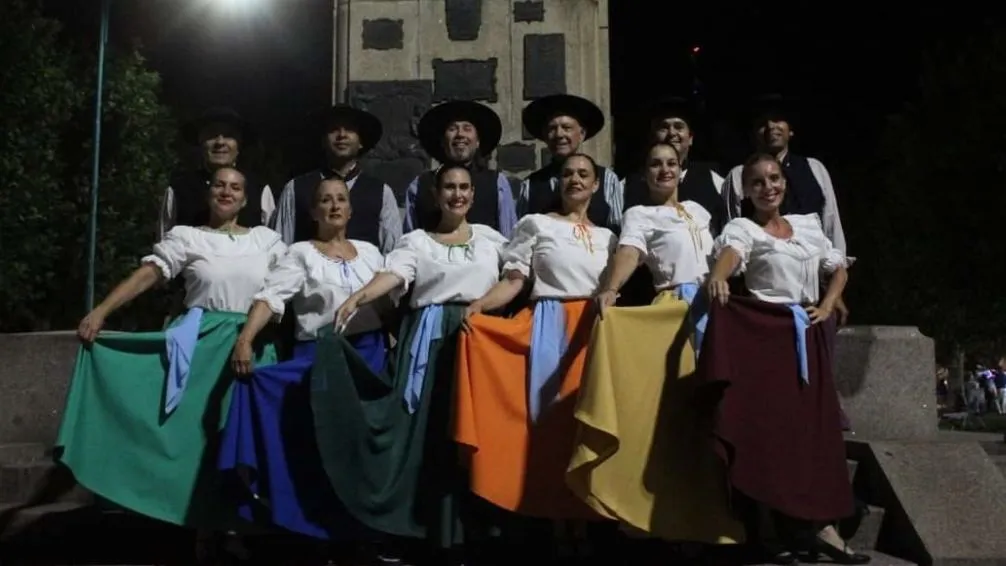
[180, 342]
[801, 320]
[430, 328]
[698, 312]
[548, 345]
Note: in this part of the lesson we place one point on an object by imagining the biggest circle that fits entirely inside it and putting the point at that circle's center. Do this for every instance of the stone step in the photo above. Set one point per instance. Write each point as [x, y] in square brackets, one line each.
[17, 519]
[853, 466]
[22, 453]
[39, 482]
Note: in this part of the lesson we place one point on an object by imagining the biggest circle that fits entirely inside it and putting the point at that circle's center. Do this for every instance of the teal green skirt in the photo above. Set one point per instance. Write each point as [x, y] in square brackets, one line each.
[120, 445]
[396, 472]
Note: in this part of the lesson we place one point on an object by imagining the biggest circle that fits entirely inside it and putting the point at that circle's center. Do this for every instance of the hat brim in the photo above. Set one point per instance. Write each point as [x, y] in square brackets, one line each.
[775, 107]
[190, 131]
[434, 123]
[365, 124]
[537, 115]
[673, 106]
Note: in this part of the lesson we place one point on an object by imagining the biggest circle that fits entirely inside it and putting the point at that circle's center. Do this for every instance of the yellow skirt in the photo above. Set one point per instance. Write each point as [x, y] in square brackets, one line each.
[644, 451]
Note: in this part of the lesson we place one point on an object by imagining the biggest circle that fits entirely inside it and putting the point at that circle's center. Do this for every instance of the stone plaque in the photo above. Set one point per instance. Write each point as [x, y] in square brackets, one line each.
[531, 11]
[544, 65]
[516, 156]
[465, 79]
[464, 18]
[383, 34]
[398, 157]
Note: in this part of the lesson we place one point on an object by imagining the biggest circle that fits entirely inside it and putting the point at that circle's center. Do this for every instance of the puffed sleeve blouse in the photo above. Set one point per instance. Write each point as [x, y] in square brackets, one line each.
[222, 271]
[442, 274]
[319, 284]
[778, 270]
[564, 259]
[674, 242]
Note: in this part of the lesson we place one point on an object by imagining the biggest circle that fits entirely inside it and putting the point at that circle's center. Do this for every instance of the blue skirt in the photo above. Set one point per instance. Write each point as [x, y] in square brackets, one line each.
[269, 456]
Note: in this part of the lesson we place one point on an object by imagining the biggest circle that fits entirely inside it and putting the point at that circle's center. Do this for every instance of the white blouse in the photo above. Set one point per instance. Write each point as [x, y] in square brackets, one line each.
[441, 274]
[222, 271]
[780, 270]
[319, 284]
[675, 247]
[566, 259]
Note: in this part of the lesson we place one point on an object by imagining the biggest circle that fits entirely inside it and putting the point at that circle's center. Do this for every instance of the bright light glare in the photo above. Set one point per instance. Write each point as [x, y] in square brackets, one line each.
[237, 7]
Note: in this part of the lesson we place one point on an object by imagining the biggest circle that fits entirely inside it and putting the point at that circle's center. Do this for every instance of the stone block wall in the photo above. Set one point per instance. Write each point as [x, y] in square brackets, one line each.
[406, 55]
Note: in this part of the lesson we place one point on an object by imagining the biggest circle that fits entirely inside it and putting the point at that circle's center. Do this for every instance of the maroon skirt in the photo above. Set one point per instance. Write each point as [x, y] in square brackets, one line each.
[781, 438]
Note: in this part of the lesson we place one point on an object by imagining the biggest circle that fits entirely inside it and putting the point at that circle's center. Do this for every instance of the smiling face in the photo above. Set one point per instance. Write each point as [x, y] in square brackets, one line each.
[455, 192]
[579, 181]
[563, 135]
[331, 204]
[342, 142]
[227, 193]
[764, 184]
[220, 144]
[461, 141]
[663, 169]
[675, 131]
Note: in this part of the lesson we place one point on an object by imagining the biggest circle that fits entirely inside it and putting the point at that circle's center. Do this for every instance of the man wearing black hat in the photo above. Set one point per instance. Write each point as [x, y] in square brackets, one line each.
[810, 188]
[564, 122]
[348, 134]
[220, 132]
[671, 121]
[465, 133]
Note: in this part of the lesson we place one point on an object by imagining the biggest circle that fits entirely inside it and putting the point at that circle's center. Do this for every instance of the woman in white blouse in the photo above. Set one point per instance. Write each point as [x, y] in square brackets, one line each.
[780, 414]
[269, 431]
[145, 409]
[519, 378]
[385, 440]
[639, 456]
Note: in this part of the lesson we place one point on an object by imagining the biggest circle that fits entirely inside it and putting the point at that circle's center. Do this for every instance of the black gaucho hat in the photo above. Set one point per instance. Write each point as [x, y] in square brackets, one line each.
[365, 124]
[537, 114]
[218, 115]
[775, 107]
[674, 106]
[433, 124]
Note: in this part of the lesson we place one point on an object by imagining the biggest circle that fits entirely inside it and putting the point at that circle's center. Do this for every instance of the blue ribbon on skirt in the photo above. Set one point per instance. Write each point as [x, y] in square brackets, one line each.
[548, 345]
[698, 311]
[801, 320]
[180, 342]
[430, 328]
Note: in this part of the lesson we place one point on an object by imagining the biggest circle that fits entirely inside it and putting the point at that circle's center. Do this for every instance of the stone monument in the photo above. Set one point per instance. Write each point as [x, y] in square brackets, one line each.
[396, 58]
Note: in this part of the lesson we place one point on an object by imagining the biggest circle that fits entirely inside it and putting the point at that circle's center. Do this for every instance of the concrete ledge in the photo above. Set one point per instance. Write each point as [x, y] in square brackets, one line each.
[886, 378]
[940, 500]
[35, 369]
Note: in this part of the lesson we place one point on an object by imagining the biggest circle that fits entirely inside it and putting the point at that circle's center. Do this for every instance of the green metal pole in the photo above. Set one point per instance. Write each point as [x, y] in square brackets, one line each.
[92, 240]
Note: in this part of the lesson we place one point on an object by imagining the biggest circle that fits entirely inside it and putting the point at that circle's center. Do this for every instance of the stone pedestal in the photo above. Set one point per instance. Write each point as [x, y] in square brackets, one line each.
[402, 56]
[886, 378]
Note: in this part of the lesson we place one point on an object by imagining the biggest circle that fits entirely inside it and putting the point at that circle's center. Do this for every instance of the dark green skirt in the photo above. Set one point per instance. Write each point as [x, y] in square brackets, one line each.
[397, 473]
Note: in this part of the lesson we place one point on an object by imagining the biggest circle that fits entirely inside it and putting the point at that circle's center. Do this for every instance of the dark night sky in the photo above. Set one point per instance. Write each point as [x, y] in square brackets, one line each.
[274, 64]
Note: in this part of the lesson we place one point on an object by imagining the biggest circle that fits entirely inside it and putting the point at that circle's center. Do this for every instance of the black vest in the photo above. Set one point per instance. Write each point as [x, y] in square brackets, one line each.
[697, 187]
[366, 197]
[191, 196]
[805, 195]
[485, 205]
[543, 199]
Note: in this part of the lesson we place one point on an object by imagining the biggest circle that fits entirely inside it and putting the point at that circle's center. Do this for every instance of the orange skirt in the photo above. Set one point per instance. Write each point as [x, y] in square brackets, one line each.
[515, 464]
